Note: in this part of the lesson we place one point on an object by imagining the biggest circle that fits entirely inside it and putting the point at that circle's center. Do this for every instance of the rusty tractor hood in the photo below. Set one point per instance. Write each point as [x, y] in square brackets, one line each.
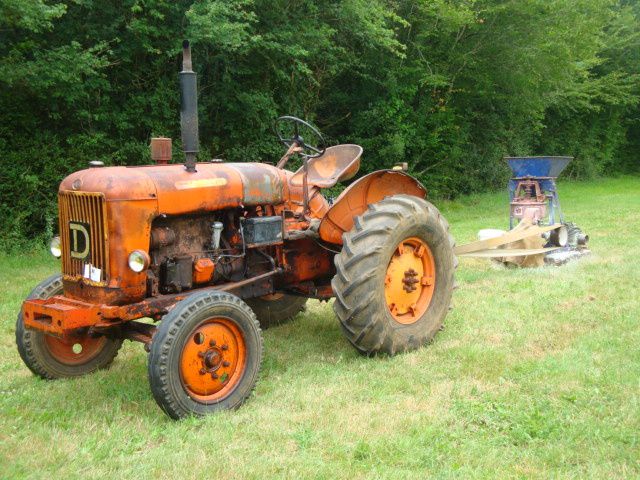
[213, 186]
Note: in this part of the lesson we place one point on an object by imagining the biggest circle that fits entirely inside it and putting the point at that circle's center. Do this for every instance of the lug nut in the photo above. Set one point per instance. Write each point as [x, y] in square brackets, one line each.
[202, 371]
[214, 376]
[225, 347]
[201, 354]
[212, 343]
[225, 364]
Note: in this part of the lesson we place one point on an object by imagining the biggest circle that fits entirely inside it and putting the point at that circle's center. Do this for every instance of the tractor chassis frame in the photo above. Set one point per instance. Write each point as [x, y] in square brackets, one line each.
[61, 316]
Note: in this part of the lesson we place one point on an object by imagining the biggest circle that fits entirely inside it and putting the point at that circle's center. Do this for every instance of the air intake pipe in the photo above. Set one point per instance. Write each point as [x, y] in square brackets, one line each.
[188, 109]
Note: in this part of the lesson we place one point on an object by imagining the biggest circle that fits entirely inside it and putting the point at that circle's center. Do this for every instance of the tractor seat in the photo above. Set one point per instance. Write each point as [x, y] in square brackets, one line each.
[337, 163]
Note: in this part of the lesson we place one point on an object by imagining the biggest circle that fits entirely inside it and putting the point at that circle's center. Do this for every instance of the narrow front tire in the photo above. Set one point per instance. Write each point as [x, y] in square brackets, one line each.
[205, 355]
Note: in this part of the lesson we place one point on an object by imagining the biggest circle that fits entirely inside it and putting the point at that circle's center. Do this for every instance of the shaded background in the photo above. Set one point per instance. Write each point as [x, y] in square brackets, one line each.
[449, 87]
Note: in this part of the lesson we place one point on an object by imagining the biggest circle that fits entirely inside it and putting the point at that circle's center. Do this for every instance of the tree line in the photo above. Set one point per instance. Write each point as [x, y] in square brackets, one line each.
[448, 86]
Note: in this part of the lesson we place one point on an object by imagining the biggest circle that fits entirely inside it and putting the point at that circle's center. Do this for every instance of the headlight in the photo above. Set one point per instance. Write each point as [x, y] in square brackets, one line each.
[55, 248]
[138, 261]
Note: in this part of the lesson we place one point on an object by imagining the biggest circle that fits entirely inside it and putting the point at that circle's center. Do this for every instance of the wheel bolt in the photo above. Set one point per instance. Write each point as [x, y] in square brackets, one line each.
[212, 343]
[202, 371]
[225, 364]
[214, 376]
[225, 347]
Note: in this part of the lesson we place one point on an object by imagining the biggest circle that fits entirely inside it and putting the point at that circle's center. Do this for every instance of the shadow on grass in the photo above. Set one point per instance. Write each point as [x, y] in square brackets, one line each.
[307, 349]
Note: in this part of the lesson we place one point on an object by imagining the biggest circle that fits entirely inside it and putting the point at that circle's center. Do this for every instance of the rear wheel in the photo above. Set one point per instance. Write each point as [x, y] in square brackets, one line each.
[72, 356]
[395, 276]
[205, 355]
[276, 309]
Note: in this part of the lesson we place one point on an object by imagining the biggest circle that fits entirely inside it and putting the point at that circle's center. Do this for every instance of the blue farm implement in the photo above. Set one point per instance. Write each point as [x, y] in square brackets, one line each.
[538, 232]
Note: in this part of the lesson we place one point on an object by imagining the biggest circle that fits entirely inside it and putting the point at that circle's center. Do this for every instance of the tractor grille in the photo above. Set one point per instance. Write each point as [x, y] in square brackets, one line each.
[83, 235]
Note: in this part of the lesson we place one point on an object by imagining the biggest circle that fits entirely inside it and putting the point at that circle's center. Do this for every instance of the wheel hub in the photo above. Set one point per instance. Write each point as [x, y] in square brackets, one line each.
[410, 280]
[212, 359]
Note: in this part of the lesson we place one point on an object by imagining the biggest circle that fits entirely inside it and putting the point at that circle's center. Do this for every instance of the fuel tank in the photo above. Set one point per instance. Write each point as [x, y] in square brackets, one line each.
[175, 191]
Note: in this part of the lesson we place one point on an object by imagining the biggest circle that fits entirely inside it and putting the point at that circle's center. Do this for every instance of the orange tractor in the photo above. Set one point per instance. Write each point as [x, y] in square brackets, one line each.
[214, 251]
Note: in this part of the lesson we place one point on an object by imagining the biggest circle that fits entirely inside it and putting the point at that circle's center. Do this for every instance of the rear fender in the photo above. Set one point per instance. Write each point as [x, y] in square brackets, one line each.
[354, 200]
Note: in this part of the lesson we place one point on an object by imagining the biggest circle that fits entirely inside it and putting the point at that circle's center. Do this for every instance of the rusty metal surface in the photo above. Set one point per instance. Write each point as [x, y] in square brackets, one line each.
[261, 184]
[161, 150]
[337, 164]
[355, 199]
[305, 260]
[60, 315]
[84, 236]
[214, 186]
[529, 201]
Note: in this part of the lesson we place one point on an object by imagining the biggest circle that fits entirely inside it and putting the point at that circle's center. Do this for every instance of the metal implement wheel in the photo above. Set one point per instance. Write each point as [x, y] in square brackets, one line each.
[72, 356]
[205, 355]
[276, 309]
[395, 276]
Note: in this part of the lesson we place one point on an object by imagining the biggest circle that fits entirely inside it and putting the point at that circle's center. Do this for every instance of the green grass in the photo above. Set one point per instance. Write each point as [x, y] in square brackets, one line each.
[536, 375]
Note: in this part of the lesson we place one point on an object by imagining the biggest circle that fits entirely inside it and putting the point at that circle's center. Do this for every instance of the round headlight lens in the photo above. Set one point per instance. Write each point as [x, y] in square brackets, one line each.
[55, 247]
[138, 261]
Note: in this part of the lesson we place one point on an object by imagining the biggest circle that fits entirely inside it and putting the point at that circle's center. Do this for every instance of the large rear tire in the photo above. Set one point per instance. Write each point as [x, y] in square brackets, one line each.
[205, 355]
[51, 357]
[276, 309]
[395, 276]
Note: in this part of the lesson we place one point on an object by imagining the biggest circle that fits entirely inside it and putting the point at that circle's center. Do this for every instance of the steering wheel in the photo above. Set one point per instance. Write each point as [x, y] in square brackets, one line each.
[299, 125]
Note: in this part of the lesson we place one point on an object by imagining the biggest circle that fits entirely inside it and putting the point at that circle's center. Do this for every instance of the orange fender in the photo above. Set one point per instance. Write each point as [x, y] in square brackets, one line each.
[353, 201]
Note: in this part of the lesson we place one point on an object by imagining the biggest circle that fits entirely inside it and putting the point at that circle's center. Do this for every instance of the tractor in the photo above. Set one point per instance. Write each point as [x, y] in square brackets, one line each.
[193, 260]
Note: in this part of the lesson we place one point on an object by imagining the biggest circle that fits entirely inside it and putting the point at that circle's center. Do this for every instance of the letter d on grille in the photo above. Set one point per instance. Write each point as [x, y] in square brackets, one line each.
[79, 240]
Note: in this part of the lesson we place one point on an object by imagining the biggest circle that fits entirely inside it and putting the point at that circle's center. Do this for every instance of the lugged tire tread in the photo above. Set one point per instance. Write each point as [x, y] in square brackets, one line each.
[166, 335]
[379, 219]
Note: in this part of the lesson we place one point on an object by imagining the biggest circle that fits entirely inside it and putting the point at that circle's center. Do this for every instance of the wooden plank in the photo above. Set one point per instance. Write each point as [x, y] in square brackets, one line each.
[508, 252]
[521, 231]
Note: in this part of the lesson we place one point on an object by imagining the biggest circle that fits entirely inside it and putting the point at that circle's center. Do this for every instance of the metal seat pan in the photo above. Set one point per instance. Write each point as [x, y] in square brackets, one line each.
[338, 163]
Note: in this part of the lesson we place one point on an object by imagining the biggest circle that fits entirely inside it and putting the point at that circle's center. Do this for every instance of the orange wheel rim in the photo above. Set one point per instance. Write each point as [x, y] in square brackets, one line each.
[213, 360]
[72, 350]
[410, 280]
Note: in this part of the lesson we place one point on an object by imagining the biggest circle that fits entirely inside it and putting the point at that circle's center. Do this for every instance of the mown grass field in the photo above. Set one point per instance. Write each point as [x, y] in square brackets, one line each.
[536, 375]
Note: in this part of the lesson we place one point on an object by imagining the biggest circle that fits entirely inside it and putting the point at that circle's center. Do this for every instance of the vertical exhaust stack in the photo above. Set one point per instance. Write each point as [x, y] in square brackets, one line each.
[188, 109]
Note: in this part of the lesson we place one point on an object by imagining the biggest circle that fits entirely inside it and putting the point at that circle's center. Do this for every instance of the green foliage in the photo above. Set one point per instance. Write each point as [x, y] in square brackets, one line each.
[449, 87]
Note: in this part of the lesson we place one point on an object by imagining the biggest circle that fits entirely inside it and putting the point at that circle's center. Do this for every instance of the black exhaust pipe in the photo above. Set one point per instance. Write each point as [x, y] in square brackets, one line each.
[188, 109]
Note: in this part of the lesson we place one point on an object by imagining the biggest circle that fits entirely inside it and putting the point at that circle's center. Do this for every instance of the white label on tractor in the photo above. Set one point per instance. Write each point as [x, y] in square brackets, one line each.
[96, 274]
[92, 273]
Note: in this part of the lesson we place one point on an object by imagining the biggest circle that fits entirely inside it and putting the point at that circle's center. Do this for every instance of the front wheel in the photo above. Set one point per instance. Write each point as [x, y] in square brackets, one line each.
[205, 356]
[51, 357]
[395, 276]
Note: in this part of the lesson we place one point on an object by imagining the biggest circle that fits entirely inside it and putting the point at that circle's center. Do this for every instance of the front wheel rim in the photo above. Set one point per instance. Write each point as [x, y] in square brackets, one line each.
[74, 350]
[213, 360]
[410, 280]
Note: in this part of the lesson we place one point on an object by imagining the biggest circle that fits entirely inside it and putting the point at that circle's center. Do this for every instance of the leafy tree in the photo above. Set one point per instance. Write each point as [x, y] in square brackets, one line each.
[449, 87]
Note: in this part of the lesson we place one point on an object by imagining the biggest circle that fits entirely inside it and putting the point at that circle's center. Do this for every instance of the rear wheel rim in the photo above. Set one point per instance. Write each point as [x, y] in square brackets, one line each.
[74, 350]
[213, 360]
[410, 280]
